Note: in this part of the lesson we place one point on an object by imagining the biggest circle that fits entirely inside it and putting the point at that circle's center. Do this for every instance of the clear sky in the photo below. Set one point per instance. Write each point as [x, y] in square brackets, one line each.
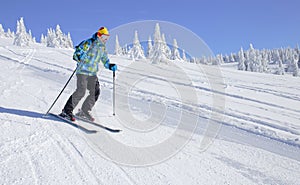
[225, 25]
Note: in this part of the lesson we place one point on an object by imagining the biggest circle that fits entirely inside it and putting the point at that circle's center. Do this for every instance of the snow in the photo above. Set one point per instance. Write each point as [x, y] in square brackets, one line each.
[166, 138]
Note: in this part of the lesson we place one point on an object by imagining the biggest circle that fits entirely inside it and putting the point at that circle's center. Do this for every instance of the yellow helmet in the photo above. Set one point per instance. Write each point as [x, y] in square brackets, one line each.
[103, 31]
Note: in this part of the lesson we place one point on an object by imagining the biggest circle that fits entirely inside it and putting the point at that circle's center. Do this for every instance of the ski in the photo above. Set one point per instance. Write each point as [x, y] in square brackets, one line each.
[74, 124]
[98, 125]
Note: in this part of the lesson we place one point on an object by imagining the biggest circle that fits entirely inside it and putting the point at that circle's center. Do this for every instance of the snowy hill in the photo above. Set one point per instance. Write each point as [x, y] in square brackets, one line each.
[257, 135]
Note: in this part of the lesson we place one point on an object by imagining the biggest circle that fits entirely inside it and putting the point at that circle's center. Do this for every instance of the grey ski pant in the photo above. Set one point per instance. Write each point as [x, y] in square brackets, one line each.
[84, 82]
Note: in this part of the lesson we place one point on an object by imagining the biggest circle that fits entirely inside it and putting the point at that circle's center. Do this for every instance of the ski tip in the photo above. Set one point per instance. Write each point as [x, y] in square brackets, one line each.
[92, 132]
[116, 131]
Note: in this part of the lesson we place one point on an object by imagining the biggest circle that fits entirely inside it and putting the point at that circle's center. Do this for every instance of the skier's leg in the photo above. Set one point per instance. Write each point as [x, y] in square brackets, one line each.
[78, 94]
[89, 102]
[97, 90]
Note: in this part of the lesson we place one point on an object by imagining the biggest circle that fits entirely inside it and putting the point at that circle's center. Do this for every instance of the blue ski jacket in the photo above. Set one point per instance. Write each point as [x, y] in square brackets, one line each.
[89, 53]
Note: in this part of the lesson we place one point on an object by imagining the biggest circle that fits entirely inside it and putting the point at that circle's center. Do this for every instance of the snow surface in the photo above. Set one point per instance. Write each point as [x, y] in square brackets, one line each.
[257, 140]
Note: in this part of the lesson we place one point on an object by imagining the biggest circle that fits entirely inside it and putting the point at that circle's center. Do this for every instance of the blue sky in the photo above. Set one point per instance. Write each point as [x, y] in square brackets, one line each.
[225, 25]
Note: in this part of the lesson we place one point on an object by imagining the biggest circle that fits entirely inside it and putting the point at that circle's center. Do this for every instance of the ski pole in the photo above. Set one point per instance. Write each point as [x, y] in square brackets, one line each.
[62, 90]
[114, 94]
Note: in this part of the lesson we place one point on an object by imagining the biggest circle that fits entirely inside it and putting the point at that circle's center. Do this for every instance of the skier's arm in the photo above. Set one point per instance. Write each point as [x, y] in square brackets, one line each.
[106, 62]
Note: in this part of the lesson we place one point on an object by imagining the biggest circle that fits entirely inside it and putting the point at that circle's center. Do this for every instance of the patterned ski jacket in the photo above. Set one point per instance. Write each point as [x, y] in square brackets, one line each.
[89, 54]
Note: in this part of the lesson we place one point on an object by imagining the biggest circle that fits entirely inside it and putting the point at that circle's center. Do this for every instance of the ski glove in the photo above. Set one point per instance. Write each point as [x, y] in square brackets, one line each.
[112, 67]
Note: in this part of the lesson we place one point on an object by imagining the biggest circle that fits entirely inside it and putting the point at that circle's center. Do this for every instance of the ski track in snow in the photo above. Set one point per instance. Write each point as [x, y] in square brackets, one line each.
[51, 152]
[257, 121]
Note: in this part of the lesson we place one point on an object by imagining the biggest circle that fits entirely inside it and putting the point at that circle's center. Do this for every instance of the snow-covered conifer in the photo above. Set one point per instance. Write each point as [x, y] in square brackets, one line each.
[241, 60]
[63, 40]
[118, 49]
[175, 53]
[22, 38]
[136, 52]
[297, 49]
[264, 62]
[166, 48]
[60, 37]
[280, 70]
[254, 60]
[289, 59]
[69, 42]
[57, 39]
[125, 50]
[32, 38]
[226, 59]
[231, 58]
[2, 32]
[193, 60]
[217, 60]
[157, 53]
[9, 34]
[295, 65]
[51, 38]
[43, 40]
[184, 55]
[149, 48]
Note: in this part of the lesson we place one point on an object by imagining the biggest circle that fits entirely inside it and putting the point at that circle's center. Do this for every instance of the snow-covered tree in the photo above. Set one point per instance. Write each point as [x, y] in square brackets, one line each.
[32, 38]
[295, 65]
[289, 55]
[51, 38]
[125, 49]
[2, 32]
[264, 62]
[64, 40]
[257, 65]
[297, 49]
[226, 59]
[241, 60]
[118, 48]
[175, 53]
[22, 38]
[43, 40]
[9, 34]
[193, 60]
[59, 34]
[157, 53]
[136, 52]
[184, 55]
[57, 39]
[275, 58]
[217, 60]
[231, 58]
[69, 42]
[253, 60]
[149, 48]
[280, 69]
[165, 46]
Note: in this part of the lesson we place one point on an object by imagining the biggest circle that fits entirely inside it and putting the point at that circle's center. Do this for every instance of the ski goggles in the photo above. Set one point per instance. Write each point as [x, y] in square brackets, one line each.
[101, 35]
[105, 37]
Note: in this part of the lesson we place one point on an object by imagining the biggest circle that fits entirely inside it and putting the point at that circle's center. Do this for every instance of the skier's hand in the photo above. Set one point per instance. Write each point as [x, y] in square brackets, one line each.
[112, 67]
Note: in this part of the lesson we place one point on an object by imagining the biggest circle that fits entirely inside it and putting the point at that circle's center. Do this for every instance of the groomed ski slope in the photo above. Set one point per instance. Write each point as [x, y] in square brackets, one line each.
[257, 142]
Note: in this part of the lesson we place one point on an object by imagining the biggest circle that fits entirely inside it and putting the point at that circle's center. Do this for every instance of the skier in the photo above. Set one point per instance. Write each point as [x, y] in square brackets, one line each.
[88, 54]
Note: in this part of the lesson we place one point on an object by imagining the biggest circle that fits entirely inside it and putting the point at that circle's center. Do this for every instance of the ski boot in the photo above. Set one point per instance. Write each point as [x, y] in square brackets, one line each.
[85, 115]
[67, 115]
